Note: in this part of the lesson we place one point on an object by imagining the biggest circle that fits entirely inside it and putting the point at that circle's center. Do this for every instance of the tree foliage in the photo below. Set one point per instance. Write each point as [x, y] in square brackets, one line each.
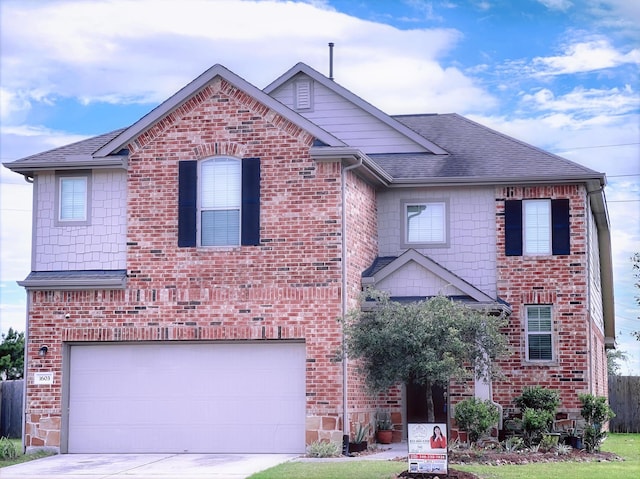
[614, 356]
[427, 342]
[12, 355]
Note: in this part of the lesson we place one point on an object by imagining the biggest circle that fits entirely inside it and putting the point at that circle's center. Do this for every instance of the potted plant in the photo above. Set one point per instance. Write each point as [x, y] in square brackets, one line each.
[359, 442]
[384, 427]
[574, 439]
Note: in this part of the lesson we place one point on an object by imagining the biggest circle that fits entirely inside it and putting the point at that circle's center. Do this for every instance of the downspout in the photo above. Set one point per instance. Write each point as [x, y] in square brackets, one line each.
[589, 293]
[343, 197]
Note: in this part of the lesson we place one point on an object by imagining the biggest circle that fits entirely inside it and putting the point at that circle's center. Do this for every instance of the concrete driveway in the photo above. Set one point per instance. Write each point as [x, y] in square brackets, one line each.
[145, 466]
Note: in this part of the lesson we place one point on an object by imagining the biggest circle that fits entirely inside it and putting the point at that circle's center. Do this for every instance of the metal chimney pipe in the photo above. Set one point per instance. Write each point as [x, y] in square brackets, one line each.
[330, 60]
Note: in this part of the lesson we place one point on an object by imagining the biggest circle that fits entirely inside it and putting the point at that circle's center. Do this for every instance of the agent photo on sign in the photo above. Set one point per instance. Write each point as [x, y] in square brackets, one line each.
[438, 440]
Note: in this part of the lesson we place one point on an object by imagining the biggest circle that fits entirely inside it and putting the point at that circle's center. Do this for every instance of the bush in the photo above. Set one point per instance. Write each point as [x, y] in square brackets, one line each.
[537, 397]
[324, 449]
[534, 423]
[595, 411]
[476, 417]
[8, 450]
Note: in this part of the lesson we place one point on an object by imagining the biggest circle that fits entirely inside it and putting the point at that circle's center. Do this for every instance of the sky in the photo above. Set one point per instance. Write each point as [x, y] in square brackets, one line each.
[562, 75]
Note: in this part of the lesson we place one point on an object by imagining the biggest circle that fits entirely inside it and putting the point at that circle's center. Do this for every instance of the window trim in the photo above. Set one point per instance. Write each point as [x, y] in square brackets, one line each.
[550, 333]
[527, 230]
[405, 243]
[61, 175]
[200, 209]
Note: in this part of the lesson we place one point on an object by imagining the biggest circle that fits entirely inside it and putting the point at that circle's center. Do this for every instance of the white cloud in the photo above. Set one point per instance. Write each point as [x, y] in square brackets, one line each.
[586, 102]
[587, 56]
[562, 5]
[132, 58]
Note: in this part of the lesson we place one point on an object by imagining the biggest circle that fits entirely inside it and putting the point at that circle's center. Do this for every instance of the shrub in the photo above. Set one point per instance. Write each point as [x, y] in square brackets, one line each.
[513, 444]
[476, 417]
[534, 423]
[7, 449]
[595, 411]
[537, 397]
[324, 449]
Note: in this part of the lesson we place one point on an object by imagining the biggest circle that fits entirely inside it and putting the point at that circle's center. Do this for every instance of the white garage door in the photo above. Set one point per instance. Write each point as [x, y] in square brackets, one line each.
[187, 397]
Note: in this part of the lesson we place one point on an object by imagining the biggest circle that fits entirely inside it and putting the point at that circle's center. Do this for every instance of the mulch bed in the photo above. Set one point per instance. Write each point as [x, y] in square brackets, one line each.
[499, 458]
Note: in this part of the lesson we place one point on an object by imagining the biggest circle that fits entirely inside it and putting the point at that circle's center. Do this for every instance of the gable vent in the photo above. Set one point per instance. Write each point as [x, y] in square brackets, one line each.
[303, 95]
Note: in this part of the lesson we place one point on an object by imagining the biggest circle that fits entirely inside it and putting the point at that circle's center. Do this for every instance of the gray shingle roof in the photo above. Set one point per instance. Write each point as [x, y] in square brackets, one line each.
[70, 155]
[476, 151]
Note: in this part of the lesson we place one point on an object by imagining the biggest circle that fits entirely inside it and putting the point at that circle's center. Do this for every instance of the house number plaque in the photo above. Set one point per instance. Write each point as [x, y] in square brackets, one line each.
[43, 378]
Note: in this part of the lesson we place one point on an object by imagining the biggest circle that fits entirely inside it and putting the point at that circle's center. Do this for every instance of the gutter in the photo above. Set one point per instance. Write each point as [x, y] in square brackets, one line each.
[343, 195]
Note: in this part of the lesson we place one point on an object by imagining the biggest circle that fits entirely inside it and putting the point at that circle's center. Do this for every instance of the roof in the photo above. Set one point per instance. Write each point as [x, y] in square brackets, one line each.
[75, 280]
[477, 154]
[76, 155]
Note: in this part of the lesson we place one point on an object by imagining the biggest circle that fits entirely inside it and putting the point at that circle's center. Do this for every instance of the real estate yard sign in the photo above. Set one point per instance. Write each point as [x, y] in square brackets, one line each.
[428, 448]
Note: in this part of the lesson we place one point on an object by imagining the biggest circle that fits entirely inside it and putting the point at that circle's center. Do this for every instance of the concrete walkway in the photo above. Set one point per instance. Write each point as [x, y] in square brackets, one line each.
[145, 466]
[170, 466]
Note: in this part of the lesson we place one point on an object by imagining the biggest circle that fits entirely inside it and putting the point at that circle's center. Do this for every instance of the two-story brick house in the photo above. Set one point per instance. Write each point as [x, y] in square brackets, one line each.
[188, 271]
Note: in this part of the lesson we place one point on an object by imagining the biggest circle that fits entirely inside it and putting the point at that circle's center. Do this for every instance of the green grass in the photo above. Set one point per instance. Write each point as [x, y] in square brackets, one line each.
[347, 469]
[22, 457]
[626, 446]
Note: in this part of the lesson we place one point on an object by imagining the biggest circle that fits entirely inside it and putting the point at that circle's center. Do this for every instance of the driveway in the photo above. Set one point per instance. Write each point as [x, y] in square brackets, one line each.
[145, 466]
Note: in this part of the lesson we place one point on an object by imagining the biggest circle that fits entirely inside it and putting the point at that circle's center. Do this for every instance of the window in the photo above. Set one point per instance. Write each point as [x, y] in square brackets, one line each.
[539, 334]
[73, 198]
[219, 202]
[536, 227]
[424, 223]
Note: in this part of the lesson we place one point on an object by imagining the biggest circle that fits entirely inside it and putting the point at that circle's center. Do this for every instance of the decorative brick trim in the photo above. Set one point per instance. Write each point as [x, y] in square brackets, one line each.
[182, 333]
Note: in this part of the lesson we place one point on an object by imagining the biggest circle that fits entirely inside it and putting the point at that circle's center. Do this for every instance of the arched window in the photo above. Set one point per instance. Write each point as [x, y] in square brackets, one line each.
[220, 202]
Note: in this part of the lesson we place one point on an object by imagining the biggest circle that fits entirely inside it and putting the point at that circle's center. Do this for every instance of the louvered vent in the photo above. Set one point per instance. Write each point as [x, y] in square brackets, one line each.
[303, 95]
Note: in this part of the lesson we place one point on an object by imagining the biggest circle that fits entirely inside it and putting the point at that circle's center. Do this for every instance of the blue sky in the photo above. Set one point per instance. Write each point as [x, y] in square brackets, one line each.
[562, 75]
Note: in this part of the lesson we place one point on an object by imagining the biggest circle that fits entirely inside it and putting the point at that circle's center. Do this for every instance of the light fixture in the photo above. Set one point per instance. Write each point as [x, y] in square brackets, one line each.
[42, 352]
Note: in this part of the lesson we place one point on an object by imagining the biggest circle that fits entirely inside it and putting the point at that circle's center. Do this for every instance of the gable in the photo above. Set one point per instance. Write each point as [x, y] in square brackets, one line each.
[345, 115]
[413, 275]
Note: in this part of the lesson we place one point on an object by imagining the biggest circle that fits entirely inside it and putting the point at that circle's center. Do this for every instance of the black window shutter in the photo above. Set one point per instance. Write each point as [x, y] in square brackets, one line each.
[187, 202]
[513, 227]
[250, 202]
[560, 243]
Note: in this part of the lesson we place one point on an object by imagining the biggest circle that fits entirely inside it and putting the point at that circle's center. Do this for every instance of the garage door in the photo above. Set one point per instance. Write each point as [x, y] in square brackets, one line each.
[187, 397]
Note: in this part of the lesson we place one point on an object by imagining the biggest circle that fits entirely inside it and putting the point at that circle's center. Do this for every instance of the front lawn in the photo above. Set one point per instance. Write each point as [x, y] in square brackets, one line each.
[17, 443]
[626, 446]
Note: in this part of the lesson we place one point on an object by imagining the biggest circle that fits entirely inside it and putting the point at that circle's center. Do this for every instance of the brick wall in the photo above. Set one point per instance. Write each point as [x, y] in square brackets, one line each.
[557, 280]
[289, 287]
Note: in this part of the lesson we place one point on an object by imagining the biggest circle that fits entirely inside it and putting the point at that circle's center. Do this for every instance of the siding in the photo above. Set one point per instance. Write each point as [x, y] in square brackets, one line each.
[348, 122]
[471, 249]
[97, 246]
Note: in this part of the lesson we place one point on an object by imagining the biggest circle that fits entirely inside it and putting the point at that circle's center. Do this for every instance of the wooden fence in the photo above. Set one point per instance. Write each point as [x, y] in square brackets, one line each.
[624, 399]
[11, 408]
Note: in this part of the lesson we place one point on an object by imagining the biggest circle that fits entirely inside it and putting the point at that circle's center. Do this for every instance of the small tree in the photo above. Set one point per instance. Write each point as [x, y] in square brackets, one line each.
[476, 417]
[538, 406]
[12, 355]
[596, 412]
[426, 342]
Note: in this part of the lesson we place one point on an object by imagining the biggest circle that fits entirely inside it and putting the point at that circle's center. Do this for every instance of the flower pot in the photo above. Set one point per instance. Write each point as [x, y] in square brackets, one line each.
[357, 446]
[384, 436]
[576, 442]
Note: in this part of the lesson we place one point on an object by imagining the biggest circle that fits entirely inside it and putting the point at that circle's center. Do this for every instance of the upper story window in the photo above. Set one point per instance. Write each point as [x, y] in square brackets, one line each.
[424, 223]
[219, 202]
[539, 333]
[537, 227]
[73, 198]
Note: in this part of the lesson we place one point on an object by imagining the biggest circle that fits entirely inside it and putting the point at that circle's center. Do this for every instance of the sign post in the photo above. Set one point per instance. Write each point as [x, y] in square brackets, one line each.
[428, 448]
